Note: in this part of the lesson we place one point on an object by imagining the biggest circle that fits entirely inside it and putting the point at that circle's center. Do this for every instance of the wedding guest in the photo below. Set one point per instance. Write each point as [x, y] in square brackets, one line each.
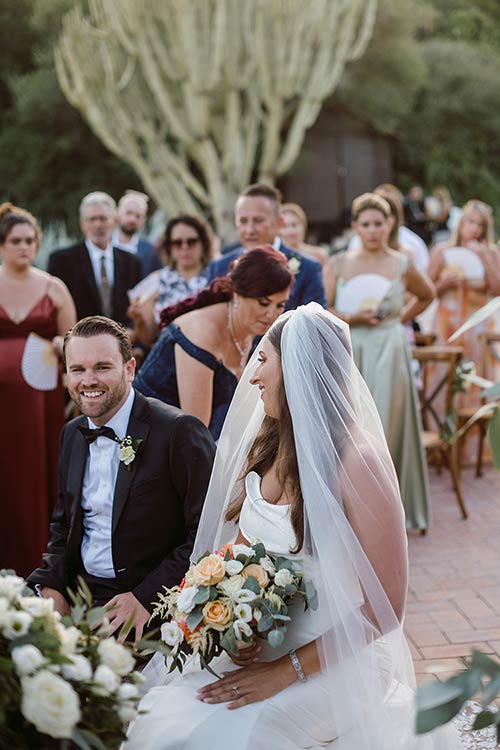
[125, 523]
[303, 467]
[97, 274]
[294, 230]
[258, 221]
[379, 342]
[31, 301]
[131, 217]
[198, 359]
[185, 248]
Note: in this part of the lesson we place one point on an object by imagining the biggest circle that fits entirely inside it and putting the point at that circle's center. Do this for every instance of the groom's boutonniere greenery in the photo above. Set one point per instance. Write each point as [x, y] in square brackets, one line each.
[294, 264]
[128, 450]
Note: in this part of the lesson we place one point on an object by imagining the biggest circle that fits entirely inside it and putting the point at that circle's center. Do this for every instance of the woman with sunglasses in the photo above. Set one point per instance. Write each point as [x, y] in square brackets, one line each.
[185, 249]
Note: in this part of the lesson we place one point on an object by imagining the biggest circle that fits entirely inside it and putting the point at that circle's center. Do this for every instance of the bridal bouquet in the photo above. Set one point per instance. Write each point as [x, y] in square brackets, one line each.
[227, 599]
[62, 682]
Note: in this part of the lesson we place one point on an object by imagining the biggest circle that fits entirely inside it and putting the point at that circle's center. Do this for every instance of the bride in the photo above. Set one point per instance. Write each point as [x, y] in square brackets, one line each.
[302, 464]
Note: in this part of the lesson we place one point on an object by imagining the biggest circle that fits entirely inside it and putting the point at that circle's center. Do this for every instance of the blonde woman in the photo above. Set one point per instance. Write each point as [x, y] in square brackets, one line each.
[294, 229]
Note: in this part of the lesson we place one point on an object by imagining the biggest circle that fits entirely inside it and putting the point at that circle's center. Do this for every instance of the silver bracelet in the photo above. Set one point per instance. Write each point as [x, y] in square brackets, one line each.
[297, 665]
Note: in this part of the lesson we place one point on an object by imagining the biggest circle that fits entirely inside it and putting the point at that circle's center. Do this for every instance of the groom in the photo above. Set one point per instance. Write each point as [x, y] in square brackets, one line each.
[127, 512]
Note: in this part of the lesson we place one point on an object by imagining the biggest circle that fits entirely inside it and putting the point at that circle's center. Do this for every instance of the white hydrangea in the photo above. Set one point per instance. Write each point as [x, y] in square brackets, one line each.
[127, 712]
[80, 669]
[127, 691]
[51, 704]
[16, 624]
[27, 659]
[37, 606]
[11, 586]
[233, 567]
[107, 680]
[243, 612]
[171, 633]
[116, 656]
[283, 577]
[185, 600]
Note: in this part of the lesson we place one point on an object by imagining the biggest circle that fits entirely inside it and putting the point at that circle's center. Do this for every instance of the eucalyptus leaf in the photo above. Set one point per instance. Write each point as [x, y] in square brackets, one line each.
[95, 615]
[492, 392]
[260, 551]
[494, 437]
[484, 663]
[284, 618]
[252, 585]
[194, 618]
[484, 719]
[265, 622]
[228, 642]
[275, 638]
[202, 595]
[490, 692]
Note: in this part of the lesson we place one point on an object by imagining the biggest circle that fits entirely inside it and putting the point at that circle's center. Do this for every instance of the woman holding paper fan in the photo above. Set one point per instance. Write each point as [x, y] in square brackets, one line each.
[367, 287]
[31, 302]
[186, 249]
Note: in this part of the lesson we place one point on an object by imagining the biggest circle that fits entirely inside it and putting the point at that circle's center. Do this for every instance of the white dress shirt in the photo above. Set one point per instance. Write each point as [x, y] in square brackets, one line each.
[98, 492]
[96, 254]
[132, 246]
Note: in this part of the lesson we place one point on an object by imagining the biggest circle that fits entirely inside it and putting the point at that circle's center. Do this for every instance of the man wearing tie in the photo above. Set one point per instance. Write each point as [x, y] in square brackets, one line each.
[133, 474]
[97, 274]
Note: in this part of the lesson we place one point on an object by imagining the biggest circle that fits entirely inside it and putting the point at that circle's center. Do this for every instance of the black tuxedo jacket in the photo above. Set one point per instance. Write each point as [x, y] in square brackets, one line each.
[156, 507]
[74, 267]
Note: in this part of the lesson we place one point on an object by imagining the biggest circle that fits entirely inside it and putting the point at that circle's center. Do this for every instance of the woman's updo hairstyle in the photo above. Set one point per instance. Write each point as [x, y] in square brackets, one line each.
[369, 200]
[11, 215]
[257, 273]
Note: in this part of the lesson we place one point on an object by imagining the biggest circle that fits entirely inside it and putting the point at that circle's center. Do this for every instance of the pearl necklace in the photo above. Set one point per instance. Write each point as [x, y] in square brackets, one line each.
[238, 347]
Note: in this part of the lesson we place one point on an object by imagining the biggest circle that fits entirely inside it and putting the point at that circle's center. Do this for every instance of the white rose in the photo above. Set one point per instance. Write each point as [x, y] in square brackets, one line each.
[79, 670]
[171, 633]
[106, 679]
[268, 565]
[283, 577]
[51, 704]
[243, 612]
[68, 637]
[241, 629]
[11, 586]
[245, 595]
[127, 712]
[127, 691]
[116, 656]
[233, 567]
[16, 624]
[243, 549]
[27, 659]
[37, 606]
[231, 587]
[185, 600]
[127, 454]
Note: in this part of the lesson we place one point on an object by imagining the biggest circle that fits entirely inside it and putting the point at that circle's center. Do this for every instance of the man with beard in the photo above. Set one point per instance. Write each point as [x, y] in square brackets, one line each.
[131, 216]
[133, 473]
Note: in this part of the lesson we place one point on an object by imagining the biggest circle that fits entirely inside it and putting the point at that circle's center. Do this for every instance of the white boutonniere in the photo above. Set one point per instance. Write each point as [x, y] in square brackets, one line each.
[128, 450]
[294, 264]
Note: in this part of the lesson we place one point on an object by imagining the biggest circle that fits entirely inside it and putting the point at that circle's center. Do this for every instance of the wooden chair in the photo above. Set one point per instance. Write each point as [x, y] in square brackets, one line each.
[424, 339]
[435, 413]
[487, 341]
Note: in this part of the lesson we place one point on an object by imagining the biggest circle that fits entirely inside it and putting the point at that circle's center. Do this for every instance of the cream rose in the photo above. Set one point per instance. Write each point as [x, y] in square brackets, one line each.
[51, 704]
[11, 586]
[116, 656]
[106, 680]
[80, 669]
[217, 614]
[283, 577]
[27, 659]
[256, 571]
[209, 571]
[127, 454]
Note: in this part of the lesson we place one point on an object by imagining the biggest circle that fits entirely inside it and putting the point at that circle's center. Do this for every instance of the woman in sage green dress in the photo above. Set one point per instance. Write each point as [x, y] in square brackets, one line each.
[376, 290]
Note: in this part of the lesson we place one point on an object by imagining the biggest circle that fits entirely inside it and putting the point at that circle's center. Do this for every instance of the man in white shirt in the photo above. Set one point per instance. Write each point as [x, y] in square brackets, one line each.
[97, 274]
[133, 473]
[131, 217]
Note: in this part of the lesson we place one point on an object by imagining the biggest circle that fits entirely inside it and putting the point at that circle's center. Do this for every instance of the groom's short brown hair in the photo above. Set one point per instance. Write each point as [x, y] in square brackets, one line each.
[96, 325]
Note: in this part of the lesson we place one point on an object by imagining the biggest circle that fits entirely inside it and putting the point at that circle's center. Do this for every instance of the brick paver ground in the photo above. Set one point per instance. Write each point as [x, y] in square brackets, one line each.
[454, 594]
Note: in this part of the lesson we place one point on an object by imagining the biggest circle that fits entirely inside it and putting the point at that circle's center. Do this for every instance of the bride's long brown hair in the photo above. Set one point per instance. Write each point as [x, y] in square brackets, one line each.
[275, 444]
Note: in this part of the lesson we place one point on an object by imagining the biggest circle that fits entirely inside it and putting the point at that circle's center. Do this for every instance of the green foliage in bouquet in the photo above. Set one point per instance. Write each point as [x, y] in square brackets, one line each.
[439, 702]
[226, 600]
[64, 683]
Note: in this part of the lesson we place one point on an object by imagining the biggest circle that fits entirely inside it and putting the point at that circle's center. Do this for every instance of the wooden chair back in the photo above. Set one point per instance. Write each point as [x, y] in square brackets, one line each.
[437, 370]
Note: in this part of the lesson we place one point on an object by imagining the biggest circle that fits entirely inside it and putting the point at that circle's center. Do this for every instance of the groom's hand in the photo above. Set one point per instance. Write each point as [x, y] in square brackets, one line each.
[122, 608]
[60, 603]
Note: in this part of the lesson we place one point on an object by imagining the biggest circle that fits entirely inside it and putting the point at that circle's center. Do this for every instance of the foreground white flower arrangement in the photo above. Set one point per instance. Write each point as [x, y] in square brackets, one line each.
[61, 679]
[227, 599]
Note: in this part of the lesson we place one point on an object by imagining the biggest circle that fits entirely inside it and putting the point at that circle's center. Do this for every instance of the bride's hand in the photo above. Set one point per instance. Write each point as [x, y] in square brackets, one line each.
[256, 682]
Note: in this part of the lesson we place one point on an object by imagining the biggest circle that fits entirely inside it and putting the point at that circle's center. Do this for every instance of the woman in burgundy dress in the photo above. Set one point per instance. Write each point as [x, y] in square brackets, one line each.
[31, 301]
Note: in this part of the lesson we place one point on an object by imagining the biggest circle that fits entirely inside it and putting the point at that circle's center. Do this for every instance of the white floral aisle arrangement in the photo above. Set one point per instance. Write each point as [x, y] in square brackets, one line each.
[228, 599]
[63, 682]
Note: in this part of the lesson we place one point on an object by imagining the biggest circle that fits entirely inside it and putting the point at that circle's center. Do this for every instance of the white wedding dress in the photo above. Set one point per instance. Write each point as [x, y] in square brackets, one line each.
[298, 717]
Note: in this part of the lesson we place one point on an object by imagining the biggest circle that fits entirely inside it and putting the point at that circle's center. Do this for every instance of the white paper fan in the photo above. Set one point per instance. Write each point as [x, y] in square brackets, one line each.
[39, 364]
[363, 292]
[465, 262]
[145, 288]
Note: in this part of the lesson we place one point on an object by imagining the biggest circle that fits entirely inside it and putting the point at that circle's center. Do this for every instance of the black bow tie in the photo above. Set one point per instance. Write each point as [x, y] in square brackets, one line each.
[90, 435]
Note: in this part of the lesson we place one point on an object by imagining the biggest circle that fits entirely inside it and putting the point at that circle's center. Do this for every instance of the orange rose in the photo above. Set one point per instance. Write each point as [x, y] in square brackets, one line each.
[217, 614]
[258, 572]
[209, 571]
